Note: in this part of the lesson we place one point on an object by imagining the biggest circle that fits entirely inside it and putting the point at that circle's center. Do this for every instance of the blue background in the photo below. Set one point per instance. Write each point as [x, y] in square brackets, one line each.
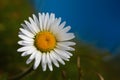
[95, 22]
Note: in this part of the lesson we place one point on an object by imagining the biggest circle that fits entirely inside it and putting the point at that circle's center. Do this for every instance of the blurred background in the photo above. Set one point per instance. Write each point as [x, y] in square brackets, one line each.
[96, 25]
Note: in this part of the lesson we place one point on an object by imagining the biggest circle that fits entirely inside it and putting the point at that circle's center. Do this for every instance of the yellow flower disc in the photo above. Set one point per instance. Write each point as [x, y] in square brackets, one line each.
[45, 41]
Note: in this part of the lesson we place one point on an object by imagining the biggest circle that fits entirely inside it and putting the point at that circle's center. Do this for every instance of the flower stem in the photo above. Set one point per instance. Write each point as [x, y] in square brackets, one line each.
[100, 76]
[79, 68]
[64, 75]
[21, 75]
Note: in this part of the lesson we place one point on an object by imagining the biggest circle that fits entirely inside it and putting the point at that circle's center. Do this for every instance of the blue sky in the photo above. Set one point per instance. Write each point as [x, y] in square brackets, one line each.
[95, 22]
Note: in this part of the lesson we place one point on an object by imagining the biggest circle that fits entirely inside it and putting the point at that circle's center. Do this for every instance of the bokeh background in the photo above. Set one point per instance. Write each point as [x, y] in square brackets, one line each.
[96, 24]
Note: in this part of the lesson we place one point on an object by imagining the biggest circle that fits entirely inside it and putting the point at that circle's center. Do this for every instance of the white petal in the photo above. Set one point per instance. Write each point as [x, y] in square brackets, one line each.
[62, 25]
[64, 47]
[58, 21]
[27, 33]
[68, 43]
[30, 27]
[70, 54]
[25, 53]
[66, 29]
[50, 21]
[34, 25]
[30, 51]
[62, 54]
[53, 28]
[52, 17]
[25, 38]
[49, 62]
[46, 21]
[64, 37]
[31, 58]
[36, 20]
[38, 57]
[44, 62]
[55, 62]
[26, 48]
[56, 56]
[43, 19]
[25, 27]
[40, 21]
[25, 43]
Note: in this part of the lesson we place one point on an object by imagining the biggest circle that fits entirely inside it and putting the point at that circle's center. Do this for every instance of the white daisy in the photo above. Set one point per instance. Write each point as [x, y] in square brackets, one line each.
[46, 40]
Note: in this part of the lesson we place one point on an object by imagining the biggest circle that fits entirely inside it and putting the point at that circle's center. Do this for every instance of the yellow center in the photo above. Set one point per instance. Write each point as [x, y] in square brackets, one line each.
[45, 41]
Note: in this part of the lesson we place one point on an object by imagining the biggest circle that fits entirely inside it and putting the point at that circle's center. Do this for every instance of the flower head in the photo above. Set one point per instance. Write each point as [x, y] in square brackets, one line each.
[46, 40]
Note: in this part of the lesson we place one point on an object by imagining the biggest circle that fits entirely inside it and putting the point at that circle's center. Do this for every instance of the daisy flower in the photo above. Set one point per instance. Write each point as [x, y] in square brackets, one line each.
[46, 40]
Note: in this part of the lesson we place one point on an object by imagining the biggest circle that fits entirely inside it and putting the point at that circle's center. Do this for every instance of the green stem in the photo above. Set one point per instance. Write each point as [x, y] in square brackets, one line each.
[21, 75]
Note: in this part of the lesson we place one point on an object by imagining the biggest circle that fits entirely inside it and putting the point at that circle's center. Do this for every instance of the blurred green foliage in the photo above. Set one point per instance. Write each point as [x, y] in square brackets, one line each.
[12, 14]
[92, 60]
